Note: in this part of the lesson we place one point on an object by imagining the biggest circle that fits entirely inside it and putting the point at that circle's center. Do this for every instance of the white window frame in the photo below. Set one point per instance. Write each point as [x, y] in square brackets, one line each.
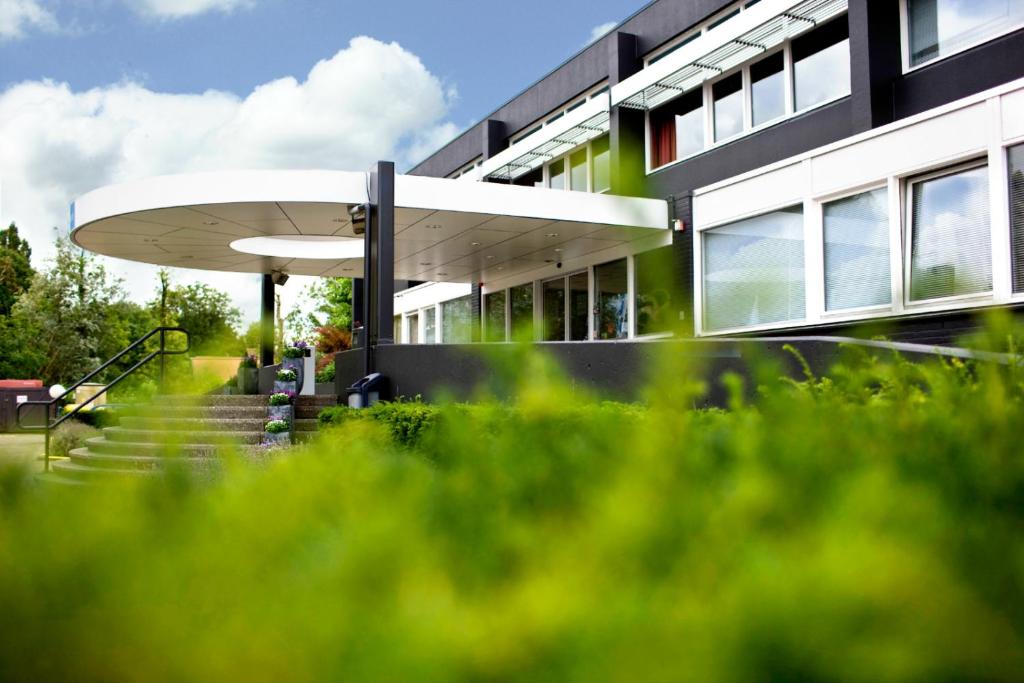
[908, 223]
[905, 41]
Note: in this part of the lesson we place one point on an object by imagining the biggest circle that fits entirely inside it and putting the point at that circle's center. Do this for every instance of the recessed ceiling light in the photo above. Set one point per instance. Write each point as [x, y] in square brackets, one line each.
[433, 226]
[490, 257]
[150, 240]
[211, 223]
[426, 263]
[474, 244]
[443, 274]
[557, 250]
[501, 267]
[552, 234]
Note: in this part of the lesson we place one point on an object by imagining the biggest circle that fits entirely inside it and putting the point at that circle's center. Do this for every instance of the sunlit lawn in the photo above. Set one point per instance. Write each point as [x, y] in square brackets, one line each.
[21, 448]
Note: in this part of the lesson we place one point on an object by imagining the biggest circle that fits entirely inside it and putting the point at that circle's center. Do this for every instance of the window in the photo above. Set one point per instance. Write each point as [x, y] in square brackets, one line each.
[553, 293]
[938, 28]
[429, 326]
[728, 98]
[534, 178]
[677, 129]
[456, 321]
[396, 330]
[494, 317]
[565, 307]
[821, 64]
[521, 311]
[557, 175]
[579, 307]
[653, 275]
[754, 271]
[856, 235]
[601, 172]
[611, 300]
[414, 328]
[768, 89]
[950, 240]
[1016, 164]
[578, 170]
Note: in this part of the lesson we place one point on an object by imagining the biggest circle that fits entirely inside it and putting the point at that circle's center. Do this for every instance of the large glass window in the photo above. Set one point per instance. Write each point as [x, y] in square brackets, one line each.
[578, 170]
[728, 110]
[950, 241]
[456, 321]
[754, 271]
[553, 292]
[941, 27]
[429, 326]
[396, 329]
[556, 178]
[677, 129]
[494, 317]
[1016, 162]
[653, 276]
[602, 164]
[521, 311]
[579, 307]
[821, 64]
[611, 300]
[857, 251]
[768, 89]
[414, 328]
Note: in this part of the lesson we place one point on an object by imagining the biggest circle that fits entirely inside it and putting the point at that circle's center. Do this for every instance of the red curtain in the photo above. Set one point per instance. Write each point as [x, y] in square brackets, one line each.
[663, 138]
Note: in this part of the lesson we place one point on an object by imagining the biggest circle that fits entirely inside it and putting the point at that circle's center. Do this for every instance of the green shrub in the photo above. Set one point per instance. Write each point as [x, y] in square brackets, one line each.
[70, 435]
[277, 426]
[98, 417]
[326, 373]
[287, 375]
[407, 422]
[281, 398]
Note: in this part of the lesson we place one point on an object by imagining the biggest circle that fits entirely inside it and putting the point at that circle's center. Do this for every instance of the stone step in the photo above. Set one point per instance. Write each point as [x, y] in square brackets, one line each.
[89, 458]
[199, 412]
[87, 473]
[200, 437]
[193, 424]
[100, 445]
[235, 400]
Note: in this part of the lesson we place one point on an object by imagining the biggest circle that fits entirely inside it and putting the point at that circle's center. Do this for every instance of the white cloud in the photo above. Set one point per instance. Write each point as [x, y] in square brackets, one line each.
[369, 101]
[16, 16]
[599, 31]
[177, 9]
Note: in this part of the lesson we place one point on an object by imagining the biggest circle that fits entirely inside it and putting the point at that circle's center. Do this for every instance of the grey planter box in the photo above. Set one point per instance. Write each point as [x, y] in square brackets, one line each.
[285, 413]
[284, 386]
[248, 381]
[281, 439]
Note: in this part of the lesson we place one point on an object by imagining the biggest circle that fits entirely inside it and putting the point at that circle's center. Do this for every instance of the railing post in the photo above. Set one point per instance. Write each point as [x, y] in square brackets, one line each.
[46, 443]
[162, 349]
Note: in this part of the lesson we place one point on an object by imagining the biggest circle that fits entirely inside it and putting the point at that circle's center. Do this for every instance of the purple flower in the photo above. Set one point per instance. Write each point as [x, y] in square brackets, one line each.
[300, 344]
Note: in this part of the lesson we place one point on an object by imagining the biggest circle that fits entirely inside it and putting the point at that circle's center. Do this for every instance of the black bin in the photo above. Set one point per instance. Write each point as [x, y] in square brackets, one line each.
[367, 391]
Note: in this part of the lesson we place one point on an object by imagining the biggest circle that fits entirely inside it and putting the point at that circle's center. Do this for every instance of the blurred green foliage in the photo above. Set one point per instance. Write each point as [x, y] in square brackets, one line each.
[864, 526]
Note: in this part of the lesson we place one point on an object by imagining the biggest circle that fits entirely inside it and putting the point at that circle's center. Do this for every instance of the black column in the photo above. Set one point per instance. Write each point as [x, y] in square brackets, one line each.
[493, 138]
[358, 311]
[875, 61]
[267, 321]
[379, 261]
[626, 132]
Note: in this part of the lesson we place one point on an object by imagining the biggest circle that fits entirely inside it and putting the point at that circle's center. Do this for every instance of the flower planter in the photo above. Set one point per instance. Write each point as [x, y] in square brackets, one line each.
[248, 381]
[284, 387]
[281, 413]
[296, 364]
[279, 439]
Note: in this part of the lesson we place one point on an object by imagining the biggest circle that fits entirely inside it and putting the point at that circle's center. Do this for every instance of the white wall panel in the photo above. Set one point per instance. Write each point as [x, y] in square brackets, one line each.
[777, 188]
[1013, 115]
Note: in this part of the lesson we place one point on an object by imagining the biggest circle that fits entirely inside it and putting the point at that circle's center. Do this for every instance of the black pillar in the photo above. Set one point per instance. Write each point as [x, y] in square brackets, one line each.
[875, 61]
[379, 261]
[493, 137]
[267, 321]
[358, 311]
[626, 126]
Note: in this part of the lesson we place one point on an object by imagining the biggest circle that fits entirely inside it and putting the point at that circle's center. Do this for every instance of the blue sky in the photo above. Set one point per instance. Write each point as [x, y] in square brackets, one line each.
[95, 92]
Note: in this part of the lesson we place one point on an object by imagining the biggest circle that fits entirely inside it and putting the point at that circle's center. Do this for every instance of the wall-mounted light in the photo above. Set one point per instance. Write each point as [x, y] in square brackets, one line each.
[358, 215]
[279, 277]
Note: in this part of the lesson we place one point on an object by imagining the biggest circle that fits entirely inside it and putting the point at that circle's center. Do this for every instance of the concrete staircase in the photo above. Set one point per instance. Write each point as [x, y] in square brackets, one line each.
[185, 431]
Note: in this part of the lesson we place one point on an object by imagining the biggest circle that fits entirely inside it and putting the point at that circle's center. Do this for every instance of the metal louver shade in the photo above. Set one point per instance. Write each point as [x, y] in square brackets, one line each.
[759, 29]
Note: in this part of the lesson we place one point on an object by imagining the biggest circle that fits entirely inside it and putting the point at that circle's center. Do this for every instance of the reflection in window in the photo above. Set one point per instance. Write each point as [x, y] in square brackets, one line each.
[677, 129]
[951, 248]
[821, 64]
[768, 89]
[857, 251]
[653, 275]
[1016, 163]
[611, 300]
[602, 164]
[754, 271]
[494, 317]
[728, 110]
[534, 178]
[941, 27]
[557, 175]
[414, 328]
[396, 330]
[521, 311]
[553, 293]
[456, 321]
[429, 326]
[578, 171]
[579, 305]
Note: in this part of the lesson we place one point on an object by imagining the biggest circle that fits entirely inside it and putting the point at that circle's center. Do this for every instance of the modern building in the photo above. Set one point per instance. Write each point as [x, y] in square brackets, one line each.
[827, 164]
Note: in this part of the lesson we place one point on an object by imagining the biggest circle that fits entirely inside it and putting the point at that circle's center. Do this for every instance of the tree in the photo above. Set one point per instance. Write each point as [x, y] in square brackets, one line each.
[332, 308]
[15, 268]
[205, 312]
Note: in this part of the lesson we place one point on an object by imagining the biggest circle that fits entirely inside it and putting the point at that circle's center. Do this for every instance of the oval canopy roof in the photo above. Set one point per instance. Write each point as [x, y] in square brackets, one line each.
[445, 230]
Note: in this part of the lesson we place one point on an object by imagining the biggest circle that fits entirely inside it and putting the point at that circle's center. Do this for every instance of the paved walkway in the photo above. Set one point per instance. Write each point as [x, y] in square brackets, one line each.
[21, 448]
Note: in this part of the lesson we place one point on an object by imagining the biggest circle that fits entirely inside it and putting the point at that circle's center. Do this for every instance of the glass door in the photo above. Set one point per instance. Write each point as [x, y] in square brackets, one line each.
[566, 308]
[414, 328]
[579, 306]
[554, 309]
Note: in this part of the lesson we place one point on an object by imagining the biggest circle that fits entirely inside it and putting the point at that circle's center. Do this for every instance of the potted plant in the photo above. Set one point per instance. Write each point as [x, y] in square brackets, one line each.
[248, 376]
[285, 381]
[277, 433]
[281, 406]
[294, 358]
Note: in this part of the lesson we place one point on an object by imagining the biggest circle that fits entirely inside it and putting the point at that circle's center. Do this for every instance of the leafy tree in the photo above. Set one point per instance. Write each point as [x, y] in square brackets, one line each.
[205, 312]
[15, 268]
[332, 298]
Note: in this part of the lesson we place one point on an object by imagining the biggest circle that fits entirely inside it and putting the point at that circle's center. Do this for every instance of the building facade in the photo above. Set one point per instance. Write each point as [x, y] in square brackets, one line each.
[829, 164]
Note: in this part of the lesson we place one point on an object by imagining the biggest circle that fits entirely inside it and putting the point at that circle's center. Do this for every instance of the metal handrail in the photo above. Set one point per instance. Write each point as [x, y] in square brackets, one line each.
[162, 352]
